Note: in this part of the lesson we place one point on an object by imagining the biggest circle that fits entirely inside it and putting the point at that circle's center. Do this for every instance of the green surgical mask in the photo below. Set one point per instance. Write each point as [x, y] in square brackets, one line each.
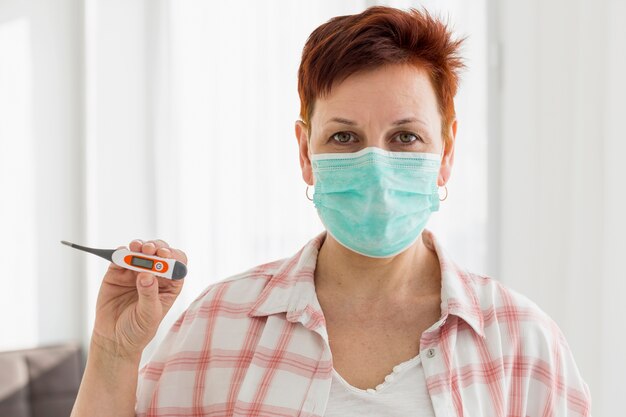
[376, 202]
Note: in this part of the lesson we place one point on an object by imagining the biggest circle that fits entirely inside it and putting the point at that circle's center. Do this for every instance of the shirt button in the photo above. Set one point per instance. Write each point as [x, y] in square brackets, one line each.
[430, 353]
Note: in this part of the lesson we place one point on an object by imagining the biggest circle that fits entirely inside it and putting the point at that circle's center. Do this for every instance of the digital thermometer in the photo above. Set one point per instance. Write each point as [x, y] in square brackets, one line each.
[140, 262]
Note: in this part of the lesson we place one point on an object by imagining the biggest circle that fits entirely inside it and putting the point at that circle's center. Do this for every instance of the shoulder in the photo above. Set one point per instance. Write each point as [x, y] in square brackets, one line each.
[504, 307]
[234, 294]
[530, 341]
[496, 298]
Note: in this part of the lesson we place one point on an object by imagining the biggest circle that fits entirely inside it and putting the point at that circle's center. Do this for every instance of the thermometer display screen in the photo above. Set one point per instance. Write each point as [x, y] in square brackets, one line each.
[142, 263]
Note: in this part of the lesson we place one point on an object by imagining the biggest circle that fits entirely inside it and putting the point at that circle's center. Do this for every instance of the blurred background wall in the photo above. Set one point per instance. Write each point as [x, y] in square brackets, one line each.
[174, 120]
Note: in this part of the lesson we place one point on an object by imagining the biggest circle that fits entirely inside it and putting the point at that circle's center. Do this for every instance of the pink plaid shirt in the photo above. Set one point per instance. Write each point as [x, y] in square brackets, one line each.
[255, 344]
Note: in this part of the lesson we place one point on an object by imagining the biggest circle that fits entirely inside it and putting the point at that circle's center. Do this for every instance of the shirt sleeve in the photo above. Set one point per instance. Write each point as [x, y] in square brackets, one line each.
[575, 398]
[562, 392]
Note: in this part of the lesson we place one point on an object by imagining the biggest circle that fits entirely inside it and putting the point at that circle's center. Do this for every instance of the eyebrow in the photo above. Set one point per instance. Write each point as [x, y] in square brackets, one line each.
[353, 123]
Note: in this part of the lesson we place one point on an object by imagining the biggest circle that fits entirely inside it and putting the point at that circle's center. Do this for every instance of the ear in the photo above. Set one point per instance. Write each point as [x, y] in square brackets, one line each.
[448, 157]
[302, 136]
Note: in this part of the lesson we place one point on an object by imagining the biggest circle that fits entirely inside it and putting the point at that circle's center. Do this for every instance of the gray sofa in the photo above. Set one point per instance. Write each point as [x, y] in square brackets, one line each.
[40, 382]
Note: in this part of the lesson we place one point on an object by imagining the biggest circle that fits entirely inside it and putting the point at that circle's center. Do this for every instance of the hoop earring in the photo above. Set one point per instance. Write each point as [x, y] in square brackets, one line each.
[307, 193]
[446, 196]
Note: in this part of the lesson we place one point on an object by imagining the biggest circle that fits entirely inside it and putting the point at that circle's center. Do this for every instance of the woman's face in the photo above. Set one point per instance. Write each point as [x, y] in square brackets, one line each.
[392, 107]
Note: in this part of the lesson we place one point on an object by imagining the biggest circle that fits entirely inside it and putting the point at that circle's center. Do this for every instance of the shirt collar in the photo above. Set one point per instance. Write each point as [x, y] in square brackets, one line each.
[291, 288]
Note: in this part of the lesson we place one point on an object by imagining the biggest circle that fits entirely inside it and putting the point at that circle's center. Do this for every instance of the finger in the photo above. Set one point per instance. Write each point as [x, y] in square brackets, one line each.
[170, 286]
[179, 255]
[115, 266]
[164, 252]
[135, 245]
[151, 247]
[161, 243]
[169, 294]
[148, 303]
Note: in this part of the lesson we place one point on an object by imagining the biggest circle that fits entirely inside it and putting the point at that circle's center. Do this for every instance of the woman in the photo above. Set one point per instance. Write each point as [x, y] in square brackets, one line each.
[371, 316]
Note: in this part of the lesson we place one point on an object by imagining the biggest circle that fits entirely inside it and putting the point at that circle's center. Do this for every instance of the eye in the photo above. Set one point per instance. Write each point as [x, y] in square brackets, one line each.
[407, 138]
[342, 137]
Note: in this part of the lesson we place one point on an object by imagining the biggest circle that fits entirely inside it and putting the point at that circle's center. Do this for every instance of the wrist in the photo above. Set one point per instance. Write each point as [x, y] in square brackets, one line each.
[107, 352]
[109, 384]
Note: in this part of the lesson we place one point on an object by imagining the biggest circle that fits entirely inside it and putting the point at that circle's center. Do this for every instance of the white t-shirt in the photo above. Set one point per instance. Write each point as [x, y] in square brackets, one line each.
[403, 393]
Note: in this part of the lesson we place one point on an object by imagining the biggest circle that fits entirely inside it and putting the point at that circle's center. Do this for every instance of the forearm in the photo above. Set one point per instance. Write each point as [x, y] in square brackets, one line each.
[108, 386]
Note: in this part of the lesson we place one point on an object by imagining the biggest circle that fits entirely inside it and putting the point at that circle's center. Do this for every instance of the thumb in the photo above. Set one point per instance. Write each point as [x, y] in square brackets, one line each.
[148, 305]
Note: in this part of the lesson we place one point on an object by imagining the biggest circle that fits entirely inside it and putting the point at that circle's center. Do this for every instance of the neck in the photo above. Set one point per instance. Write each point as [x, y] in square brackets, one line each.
[412, 273]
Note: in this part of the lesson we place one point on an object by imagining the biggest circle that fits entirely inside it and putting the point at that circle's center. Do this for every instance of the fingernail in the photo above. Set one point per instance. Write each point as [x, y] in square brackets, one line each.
[146, 280]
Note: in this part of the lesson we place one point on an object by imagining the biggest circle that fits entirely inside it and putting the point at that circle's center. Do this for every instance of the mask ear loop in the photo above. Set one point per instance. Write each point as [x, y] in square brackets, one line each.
[307, 193]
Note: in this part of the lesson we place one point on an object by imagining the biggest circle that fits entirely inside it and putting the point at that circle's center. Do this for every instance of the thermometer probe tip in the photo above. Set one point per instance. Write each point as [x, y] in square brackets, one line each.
[65, 242]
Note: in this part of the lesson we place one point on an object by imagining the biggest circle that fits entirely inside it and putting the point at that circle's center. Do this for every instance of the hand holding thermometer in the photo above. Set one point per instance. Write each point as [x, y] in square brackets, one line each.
[140, 262]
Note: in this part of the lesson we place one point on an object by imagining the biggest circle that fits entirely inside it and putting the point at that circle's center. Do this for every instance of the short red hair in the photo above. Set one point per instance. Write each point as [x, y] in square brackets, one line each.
[379, 36]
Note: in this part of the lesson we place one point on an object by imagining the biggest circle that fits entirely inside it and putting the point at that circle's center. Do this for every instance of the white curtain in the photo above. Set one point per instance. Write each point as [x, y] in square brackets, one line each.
[41, 169]
[562, 197]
